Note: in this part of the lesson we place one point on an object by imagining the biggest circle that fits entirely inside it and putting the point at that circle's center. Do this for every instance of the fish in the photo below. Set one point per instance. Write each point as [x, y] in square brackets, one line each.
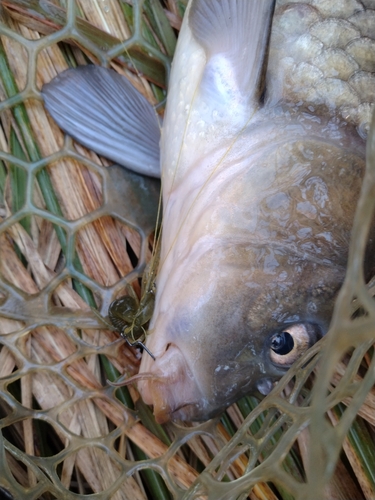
[261, 156]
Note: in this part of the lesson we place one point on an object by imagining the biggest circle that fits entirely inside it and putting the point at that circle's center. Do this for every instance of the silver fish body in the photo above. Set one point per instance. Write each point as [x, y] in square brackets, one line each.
[262, 157]
[259, 199]
[322, 54]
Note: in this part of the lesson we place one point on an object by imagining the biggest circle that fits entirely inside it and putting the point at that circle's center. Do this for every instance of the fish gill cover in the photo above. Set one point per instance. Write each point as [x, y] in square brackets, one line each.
[74, 234]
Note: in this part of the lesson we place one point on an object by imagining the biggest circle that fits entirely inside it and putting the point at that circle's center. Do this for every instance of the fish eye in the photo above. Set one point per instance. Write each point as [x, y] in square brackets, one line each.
[289, 344]
[282, 343]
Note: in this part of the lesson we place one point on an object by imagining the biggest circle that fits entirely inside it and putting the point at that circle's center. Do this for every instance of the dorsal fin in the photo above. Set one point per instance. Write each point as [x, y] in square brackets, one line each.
[234, 35]
[104, 112]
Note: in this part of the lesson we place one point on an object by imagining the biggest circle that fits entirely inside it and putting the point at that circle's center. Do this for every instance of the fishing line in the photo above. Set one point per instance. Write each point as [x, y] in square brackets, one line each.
[148, 275]
[209, 177]
[150, 279]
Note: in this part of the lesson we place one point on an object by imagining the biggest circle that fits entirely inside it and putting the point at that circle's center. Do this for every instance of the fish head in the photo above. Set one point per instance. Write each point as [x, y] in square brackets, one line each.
[261, 170]
[234, 329]
[238, 303]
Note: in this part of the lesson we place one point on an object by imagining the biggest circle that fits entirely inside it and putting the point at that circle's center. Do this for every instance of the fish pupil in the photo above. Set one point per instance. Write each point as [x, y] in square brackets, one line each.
[282, 343]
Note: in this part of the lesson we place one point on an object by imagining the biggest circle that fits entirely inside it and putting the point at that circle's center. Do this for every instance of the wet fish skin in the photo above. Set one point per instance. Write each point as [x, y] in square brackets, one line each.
[262, 161]
[322, 54]
[259, 200]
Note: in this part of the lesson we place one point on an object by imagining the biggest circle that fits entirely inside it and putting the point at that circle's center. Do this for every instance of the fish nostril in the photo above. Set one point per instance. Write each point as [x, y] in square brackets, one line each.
[168, 346]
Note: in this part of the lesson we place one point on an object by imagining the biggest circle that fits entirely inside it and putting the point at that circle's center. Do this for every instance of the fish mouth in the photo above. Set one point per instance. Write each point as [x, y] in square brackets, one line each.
[170, 402]
[172, 391]
[187, 412]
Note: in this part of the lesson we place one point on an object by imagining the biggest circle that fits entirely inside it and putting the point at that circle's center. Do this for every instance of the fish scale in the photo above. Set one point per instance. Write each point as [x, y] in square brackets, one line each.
[262, 155]
[246, 270]
[323, 53]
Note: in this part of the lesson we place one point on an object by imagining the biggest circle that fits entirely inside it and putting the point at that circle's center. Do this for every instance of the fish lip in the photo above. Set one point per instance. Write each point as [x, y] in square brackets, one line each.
[176, 413]
[174, 392]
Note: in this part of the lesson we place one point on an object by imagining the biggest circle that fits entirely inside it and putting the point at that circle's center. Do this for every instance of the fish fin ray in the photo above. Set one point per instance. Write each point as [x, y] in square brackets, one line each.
[104, 112]
[224, 28]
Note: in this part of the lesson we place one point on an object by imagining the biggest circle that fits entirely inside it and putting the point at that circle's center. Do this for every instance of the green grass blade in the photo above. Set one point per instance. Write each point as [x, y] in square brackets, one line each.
[147, 418]
[292, 463]
[363, 446]
[160, 25]
[42, 176]
[47, 17]
[153, 481]
[3, 178]
[18, 180]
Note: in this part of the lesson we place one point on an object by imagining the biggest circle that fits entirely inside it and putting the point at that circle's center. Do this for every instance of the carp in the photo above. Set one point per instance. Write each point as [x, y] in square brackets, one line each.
[262, 154]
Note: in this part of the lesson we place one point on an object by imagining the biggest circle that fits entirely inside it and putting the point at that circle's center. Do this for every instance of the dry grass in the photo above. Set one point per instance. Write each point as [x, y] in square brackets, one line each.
[64, 250]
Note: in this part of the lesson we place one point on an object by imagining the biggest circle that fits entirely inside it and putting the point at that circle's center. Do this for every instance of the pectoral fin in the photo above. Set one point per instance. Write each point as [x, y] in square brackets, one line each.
[104, 112]
[234, 35]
